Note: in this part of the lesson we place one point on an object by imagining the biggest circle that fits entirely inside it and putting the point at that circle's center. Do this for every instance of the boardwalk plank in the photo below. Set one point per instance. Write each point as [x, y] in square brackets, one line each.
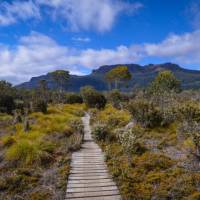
[89, 178]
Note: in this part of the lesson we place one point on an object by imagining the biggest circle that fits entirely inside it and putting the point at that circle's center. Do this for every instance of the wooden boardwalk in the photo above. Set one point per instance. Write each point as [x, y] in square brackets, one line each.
[89, 178]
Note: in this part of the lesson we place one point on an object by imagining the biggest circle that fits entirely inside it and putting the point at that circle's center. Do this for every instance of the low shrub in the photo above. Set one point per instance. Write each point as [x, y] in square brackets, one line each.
[190, 111]
[130, 140]
[92, 98]
[40, 105]
[117, 99]
[72, 98]
[100, 132]
[74, 142]
[145, 113]
[77, 125]
[7, 104]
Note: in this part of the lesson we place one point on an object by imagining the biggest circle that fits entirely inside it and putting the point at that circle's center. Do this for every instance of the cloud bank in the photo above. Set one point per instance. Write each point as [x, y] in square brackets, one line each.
[38, 54]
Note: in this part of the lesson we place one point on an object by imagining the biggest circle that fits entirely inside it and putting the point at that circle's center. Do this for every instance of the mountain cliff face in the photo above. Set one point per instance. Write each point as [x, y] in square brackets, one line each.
[141, 77]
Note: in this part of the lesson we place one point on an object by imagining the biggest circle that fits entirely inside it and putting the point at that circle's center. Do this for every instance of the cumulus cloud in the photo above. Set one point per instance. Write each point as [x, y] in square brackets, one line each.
[182, 48]
[87, 15]
[38, 54]
[10, 13]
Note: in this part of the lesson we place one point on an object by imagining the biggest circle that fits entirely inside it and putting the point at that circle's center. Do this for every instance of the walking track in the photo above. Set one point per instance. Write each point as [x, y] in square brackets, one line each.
[89, 178]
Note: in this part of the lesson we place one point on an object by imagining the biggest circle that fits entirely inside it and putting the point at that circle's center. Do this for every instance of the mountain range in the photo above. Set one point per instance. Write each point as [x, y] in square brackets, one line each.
[141, 77]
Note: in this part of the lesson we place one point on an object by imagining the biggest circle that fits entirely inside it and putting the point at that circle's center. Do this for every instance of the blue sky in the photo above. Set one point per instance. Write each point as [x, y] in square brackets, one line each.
[38, 36]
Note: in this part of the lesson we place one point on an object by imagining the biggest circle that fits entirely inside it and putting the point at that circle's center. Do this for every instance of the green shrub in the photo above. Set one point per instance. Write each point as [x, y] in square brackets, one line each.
[168, 116]
[74, 142]
[7, 104]
[117, 99]
[130, 138]
[190, 111]
[72, 98]
[40, 105]
[92, 98]
[145, 113]
[77, 125]
[100, 132]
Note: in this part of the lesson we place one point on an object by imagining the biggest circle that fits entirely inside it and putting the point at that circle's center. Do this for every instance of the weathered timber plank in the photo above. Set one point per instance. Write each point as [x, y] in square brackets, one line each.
[115, 197]
[82, 185]
[92, 189]
[92, 194]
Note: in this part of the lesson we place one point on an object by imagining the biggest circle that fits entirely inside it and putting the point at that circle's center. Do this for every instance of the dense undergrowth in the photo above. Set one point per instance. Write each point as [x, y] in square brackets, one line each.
[160, 165]
[35, 164]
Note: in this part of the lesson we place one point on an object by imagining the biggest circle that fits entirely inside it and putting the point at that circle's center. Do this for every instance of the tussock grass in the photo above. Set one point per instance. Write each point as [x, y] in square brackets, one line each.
[113, 117]
[36, 146]
[5, 117]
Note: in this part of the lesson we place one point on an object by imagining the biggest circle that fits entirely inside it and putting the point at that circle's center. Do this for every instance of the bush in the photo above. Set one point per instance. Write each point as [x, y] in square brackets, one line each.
[168, 116]
[130, 138]
[77, 125]
[190, 111]
[74, 142]
[100, 132]
[145, 113]
[92, 98]
[72, 98]
[6, 104]
[117, 99]
[40, 105]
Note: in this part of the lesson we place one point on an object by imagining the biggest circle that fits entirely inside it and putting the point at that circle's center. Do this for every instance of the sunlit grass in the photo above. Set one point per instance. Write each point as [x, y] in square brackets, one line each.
[33, 147]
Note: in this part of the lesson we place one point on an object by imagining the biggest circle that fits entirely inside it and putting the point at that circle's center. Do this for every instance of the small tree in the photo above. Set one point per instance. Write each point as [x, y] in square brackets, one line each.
[165, 82]
[43, 89]
[117, 75]
[163, 87]
[60, 77]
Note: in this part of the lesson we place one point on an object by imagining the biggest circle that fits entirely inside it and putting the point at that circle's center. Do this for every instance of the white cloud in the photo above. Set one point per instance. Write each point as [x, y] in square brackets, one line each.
[97, 15]
[38, 54]
[10, 13]
[81, 39]
[183, 48]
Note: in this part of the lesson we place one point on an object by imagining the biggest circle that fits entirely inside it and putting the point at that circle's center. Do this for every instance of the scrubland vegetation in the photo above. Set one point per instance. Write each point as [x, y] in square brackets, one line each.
[150, 136]
[35, 164]
[38, 133]
[151, 140]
